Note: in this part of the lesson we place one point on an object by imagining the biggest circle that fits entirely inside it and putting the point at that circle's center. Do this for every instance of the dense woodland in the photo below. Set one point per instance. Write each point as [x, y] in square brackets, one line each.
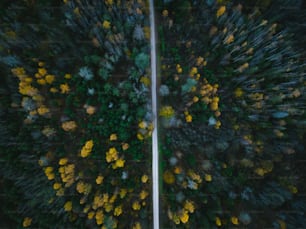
[76, 119]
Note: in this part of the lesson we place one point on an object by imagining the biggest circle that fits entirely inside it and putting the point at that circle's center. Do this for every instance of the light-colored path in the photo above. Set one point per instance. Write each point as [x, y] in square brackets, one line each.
[155, 159]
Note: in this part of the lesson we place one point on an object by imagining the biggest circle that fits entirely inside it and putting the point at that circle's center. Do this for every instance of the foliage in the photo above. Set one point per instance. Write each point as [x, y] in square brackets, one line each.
[236, 86]
[77, 94]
